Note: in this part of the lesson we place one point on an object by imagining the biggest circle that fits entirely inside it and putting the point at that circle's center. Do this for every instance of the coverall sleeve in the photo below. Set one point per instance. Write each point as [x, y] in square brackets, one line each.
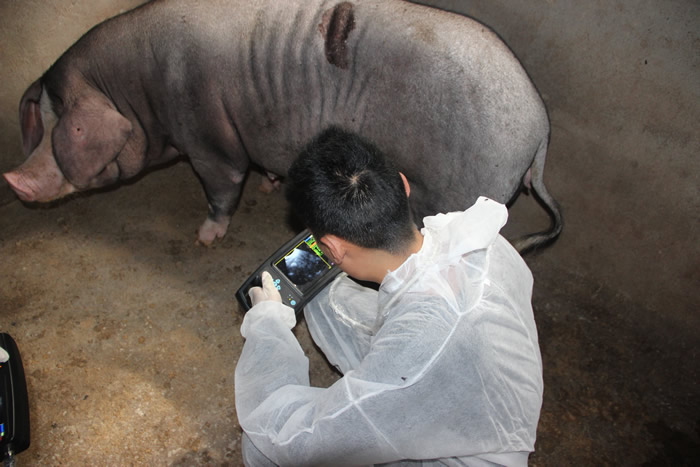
[341, 320]
[271, 356]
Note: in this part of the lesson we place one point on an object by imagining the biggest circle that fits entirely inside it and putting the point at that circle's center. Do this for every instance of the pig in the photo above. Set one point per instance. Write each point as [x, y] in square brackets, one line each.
[235, 84]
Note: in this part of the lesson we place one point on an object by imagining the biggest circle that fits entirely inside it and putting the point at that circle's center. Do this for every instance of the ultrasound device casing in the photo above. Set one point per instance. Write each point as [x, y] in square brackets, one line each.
[299, 270]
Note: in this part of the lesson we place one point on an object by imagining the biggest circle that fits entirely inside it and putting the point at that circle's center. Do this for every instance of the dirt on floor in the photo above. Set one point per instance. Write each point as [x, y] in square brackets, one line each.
[129, 334]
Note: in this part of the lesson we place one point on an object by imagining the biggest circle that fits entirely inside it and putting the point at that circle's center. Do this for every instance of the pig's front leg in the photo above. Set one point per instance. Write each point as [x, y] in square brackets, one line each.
[222, 183]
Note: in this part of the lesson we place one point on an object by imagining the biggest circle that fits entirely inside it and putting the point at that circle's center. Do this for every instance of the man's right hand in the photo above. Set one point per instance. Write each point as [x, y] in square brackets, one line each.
[268, 291]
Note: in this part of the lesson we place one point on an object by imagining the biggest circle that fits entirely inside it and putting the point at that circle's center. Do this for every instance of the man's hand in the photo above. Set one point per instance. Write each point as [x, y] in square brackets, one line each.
[268, 291]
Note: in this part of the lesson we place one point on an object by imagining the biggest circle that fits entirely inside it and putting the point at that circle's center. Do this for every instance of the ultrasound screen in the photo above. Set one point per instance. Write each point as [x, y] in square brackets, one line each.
[303, 264]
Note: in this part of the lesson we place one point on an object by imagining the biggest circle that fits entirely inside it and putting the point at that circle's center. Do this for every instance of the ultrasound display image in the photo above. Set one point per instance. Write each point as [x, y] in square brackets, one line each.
[302, 265]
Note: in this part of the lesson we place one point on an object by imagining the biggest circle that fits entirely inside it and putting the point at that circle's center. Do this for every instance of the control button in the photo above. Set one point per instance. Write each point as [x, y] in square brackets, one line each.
[293, 302]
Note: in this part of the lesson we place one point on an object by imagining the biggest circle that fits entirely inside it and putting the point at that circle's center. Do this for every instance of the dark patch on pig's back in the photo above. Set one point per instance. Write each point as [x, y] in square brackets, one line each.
[335, 28]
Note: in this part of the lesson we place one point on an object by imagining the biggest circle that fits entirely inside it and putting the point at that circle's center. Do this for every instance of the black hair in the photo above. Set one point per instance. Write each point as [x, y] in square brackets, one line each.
[343, 185]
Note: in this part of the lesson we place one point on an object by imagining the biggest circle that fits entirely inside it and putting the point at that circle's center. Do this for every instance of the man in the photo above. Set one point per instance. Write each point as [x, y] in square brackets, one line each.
[440, 365]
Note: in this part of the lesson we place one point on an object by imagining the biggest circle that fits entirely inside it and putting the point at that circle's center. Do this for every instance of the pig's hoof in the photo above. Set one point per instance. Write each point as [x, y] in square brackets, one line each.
[211, 230]
[268, 186]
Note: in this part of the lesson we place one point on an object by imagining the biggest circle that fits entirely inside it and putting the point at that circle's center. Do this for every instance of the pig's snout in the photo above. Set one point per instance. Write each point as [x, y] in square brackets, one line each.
[44, 186]
[23, 189]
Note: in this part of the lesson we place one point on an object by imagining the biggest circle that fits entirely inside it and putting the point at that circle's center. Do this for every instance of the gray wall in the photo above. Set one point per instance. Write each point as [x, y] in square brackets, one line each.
[622, 85]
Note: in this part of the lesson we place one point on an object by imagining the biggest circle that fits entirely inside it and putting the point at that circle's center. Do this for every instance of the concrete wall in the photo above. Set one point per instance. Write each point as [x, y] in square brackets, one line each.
[622, 84]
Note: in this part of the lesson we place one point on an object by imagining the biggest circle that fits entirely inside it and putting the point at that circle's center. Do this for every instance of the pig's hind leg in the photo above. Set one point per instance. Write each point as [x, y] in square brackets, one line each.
[222, 182]
[270, 183]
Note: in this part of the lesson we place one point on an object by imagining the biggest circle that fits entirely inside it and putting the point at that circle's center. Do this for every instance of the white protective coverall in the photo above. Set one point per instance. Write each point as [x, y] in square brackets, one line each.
[442, 364]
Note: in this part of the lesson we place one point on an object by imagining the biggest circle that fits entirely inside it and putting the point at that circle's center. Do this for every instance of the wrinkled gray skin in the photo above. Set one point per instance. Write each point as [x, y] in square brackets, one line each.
[229, 83]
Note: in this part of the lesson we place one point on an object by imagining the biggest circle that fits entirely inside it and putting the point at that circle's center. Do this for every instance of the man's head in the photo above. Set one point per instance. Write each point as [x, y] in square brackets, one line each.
[344, 186]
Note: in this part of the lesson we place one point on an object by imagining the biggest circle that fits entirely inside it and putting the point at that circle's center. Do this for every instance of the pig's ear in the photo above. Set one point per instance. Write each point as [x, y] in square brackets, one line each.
[30, 118]
[88, 136]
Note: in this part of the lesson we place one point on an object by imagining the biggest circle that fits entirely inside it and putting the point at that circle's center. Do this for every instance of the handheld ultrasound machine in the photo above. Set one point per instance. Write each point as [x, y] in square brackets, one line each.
[299, 270]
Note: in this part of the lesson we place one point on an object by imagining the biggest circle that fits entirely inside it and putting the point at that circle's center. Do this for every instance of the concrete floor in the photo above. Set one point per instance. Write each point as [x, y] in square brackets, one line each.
[130, 333]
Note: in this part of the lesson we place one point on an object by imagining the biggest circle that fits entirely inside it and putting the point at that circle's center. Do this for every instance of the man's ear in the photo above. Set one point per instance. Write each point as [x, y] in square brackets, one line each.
[406, 186]
[335, 247]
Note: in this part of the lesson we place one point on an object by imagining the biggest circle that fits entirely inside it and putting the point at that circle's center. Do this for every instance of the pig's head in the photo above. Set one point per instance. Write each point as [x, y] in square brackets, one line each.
[72, 142]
